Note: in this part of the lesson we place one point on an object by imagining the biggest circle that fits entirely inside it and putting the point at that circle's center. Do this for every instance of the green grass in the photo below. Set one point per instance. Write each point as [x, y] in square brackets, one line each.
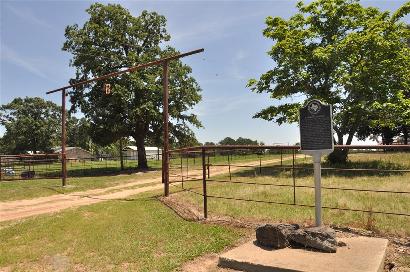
[84, 168]
[26, 189]
[196, 163]
[399, 203]
[137, 235]
[97, 176]
[77, 168]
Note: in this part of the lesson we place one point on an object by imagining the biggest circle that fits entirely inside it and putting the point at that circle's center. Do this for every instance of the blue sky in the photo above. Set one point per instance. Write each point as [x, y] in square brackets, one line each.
[32, 34]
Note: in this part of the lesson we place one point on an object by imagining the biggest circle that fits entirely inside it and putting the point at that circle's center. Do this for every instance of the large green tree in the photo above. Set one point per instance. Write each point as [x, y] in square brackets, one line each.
[239, 141]
[349, 56]
[78, 133]
[113, 39]
[31, 123]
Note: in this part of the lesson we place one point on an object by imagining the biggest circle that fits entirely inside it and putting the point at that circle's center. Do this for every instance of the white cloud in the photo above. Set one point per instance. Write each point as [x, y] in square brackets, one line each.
[210, 29]
[29, 17]
[220, 106]
[240, 55]
[236, 69]
[11, 56]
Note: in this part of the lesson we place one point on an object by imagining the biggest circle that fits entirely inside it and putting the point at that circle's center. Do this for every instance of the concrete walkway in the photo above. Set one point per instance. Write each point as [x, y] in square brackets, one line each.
[362, 254]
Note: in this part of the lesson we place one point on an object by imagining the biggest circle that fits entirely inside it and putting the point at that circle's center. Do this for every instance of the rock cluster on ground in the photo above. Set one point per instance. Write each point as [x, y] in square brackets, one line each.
[284, 235]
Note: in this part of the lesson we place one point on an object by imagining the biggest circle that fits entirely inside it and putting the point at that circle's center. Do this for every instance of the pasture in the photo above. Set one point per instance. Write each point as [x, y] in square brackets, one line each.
[353, 187]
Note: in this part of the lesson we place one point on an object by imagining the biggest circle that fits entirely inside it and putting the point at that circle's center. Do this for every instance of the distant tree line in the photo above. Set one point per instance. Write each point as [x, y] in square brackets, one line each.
[34, 125]
[238, 141]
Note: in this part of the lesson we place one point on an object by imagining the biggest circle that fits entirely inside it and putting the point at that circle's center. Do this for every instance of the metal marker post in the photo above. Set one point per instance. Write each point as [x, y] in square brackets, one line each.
[318, 192]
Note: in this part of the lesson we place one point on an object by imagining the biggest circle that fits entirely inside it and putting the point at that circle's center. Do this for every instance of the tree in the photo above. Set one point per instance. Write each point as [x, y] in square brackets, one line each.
[227, 141]
[239, 141]
[246, 141]
[351, 57]
[32, 124]
[78, 133]
[209, 143]
[113, 39]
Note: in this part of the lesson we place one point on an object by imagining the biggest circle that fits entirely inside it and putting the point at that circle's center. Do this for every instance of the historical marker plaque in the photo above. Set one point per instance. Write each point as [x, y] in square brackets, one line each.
[316, 130]
[316, 139]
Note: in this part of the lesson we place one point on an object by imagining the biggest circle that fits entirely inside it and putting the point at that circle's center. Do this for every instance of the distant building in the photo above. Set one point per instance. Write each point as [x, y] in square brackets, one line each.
[75, 153]
[131, 152]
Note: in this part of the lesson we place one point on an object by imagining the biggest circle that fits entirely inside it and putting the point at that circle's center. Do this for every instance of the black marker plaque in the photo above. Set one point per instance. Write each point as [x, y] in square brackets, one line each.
[315, 122]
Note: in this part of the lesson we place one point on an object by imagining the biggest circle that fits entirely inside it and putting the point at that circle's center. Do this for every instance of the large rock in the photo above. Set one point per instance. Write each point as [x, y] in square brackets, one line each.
[321, 238]
[275, 235]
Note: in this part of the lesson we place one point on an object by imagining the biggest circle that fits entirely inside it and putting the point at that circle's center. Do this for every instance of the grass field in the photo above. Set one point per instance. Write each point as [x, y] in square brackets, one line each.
[387, 202]
[75, 168]
[141, 234]
[137, 235]
[102, 174]
[26, 189]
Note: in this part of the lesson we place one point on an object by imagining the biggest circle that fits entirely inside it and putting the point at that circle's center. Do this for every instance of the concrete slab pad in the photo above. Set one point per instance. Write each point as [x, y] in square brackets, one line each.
[362, 254]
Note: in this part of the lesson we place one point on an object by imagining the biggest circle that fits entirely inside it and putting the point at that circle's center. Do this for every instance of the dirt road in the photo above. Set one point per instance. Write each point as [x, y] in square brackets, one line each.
[13, 210]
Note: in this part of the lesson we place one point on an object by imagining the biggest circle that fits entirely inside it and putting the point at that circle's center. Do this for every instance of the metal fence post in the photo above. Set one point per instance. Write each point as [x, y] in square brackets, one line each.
[208, 167]
[204, 184]
[121, 156]
[182, 172]
[260, 164]
[229, 168]
[281, 155]
[0, 168]
[293, 177]
[162, 166]
[63, 140]
[165, 104]
[187, 166]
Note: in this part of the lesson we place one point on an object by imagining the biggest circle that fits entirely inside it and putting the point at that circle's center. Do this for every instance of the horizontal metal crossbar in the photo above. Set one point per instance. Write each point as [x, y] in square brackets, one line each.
[310, 187]
[286, 147]
[300, 205]
[131, 69]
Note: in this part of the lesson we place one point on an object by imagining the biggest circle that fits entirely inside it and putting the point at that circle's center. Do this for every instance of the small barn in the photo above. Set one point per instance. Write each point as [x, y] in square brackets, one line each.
[75, 153]
[131, 152]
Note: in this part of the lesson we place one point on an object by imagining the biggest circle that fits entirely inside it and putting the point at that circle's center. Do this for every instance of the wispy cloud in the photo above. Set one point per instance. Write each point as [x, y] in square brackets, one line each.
[236, 68]
[29, 17]
[211, 29]
[11, 56]
[219, 106]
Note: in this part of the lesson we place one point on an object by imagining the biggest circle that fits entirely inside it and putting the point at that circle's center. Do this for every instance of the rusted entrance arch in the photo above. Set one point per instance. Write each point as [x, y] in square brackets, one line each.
[165, 156]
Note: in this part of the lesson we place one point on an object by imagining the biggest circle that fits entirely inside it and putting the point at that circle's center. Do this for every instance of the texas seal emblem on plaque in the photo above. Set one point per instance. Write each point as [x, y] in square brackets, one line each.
[313, 107]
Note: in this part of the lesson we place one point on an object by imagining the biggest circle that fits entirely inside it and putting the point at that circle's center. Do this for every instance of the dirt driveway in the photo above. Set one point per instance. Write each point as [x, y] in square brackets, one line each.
[13, 210]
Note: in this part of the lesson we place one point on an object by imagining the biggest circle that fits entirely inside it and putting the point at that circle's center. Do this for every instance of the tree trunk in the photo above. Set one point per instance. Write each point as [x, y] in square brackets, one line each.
[339, 156]
[121, 156]
[405, 135]
[387, 136]
[142, 156]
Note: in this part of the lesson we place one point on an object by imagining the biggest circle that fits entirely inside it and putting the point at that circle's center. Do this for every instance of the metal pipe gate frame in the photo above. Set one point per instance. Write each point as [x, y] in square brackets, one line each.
[165, 77]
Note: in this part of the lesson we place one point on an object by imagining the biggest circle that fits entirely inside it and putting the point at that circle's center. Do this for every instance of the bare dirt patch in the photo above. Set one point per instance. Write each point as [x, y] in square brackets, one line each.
[206, 263]
[13, 210]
